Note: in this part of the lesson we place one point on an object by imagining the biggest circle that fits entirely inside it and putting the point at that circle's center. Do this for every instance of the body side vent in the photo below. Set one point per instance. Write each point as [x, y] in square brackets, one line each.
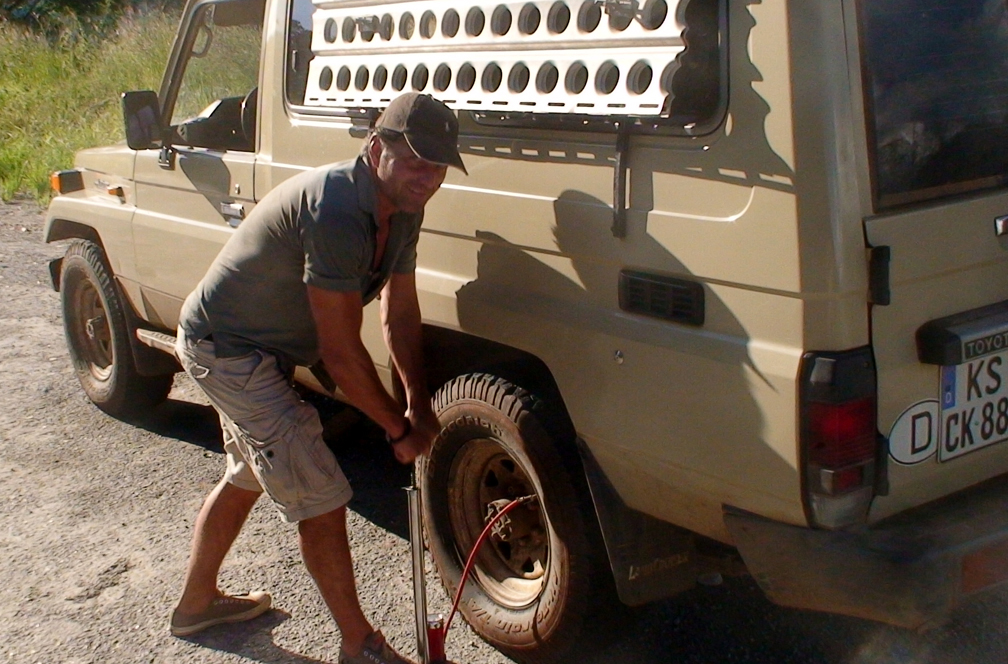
[668, 298]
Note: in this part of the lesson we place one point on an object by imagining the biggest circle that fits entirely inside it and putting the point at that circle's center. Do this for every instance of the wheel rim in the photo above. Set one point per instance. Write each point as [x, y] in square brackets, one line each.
[91, 327]
[512, 564]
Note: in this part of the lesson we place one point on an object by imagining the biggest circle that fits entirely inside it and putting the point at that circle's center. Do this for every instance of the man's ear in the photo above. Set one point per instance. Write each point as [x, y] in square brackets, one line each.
[375, 148]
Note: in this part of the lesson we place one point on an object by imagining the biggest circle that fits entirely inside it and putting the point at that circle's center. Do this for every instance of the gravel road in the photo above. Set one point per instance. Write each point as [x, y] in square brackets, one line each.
[96, 516]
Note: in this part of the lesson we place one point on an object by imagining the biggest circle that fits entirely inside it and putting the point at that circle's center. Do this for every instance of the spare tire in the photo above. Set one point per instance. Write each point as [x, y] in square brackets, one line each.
[530, 591]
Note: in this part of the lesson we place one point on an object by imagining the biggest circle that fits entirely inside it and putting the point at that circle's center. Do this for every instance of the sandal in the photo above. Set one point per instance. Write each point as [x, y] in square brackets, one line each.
[223, 609]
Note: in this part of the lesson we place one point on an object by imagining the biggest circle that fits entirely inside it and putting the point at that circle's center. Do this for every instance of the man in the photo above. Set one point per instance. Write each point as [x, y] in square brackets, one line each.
[289, 289]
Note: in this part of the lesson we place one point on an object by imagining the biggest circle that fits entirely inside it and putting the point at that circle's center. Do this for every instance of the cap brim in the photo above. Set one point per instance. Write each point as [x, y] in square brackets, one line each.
[436, 152]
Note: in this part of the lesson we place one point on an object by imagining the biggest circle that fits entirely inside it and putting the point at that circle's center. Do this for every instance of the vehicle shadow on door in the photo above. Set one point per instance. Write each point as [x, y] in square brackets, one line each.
[680, 396]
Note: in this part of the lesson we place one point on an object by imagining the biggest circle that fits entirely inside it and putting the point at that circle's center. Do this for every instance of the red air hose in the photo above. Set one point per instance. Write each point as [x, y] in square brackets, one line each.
[476, 547]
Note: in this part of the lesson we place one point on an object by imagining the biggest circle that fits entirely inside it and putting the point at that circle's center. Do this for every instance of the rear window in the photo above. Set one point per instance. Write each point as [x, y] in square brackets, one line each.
[937, 87]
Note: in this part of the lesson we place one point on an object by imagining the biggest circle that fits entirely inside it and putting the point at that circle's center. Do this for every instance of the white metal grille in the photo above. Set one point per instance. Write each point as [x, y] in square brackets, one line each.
[590, 57]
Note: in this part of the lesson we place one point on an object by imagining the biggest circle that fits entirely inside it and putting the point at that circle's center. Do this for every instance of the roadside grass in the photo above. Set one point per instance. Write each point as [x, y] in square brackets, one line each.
[59, 96]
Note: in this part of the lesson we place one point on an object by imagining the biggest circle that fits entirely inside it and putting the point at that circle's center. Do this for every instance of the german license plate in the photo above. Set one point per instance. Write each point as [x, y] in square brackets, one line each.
[974, 405]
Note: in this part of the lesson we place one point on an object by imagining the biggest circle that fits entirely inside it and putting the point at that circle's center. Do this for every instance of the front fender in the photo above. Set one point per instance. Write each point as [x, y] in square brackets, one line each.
[100, 217]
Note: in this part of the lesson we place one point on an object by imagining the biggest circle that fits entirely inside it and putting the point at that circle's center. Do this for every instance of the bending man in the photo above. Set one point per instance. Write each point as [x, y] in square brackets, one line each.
[289, 289]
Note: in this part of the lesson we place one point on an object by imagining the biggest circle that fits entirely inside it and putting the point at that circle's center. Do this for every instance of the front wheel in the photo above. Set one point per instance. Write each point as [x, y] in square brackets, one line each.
[531, 590]
[97, 334]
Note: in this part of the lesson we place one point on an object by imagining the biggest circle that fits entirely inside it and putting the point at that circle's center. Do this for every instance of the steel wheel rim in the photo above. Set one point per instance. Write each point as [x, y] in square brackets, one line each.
[93, 334]
[513, 571]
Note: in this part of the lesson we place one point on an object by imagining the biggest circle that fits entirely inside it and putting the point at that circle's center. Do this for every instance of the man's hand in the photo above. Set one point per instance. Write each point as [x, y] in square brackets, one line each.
[422, 418]
[412, 446]
[424, 428]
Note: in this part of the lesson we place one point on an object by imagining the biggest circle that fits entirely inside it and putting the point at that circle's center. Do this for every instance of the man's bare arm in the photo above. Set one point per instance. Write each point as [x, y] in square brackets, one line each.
[338, 317]
[401, 325]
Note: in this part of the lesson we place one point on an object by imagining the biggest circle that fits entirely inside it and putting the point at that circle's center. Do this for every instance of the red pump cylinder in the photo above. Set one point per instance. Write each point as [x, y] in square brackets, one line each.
[435, 640]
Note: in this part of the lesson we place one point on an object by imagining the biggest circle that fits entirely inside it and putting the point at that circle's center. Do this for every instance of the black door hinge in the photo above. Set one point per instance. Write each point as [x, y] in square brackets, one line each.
[878, 275]
[166, 157]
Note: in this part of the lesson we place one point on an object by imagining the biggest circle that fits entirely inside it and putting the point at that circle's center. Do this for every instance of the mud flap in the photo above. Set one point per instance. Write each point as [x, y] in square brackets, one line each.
[55, 269]
[650, 559]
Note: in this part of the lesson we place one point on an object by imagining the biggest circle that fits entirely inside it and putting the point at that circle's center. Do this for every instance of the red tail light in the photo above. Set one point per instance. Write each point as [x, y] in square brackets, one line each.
[838, 436]
[842, 434]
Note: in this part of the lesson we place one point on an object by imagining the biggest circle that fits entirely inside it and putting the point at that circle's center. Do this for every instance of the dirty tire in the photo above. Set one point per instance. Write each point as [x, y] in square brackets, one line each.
[528, 596]
[97, 334]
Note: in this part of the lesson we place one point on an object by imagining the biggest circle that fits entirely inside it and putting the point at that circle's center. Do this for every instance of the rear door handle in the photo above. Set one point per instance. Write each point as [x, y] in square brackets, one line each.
[233, 213]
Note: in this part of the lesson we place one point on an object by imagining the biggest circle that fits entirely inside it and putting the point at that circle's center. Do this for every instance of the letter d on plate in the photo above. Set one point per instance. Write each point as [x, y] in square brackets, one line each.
[914, 436]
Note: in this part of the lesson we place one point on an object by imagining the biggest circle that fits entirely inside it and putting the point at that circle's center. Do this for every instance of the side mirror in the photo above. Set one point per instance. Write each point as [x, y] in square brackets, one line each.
[142, 117]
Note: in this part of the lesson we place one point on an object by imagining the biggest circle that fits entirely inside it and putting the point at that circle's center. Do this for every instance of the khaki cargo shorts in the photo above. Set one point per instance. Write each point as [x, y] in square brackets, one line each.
[272, 438]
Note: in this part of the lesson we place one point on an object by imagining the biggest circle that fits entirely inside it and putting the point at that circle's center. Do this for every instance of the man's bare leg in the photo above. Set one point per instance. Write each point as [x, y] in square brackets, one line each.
[220, 520]
[326, 553]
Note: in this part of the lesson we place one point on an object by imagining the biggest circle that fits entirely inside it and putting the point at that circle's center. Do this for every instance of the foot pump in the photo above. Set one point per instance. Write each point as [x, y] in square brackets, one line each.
[432, 630]
[429, 630]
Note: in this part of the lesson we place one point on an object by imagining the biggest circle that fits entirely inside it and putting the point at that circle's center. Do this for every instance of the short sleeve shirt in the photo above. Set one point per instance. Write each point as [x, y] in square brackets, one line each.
[316, 228]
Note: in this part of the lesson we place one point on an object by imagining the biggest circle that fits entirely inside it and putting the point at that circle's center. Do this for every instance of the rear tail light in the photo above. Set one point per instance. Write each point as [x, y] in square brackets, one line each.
[839, 439]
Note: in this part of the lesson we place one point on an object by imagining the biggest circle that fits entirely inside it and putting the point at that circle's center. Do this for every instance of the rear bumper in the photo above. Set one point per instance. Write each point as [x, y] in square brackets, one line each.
[909, 570]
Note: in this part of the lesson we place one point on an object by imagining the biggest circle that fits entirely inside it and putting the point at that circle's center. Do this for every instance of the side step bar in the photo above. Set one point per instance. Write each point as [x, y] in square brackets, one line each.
[158, 340]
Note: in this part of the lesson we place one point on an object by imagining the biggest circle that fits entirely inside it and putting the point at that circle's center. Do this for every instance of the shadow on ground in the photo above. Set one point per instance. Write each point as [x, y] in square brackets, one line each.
[192, 423]
[252, 640]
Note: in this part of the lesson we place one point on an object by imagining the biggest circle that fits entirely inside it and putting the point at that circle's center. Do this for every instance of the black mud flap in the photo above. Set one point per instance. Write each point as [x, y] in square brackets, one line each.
[650, 559]
[55, 270]
[153, 352]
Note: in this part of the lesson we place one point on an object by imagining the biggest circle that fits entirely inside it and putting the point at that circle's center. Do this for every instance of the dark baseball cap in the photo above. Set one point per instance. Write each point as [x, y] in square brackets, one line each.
[430, 128]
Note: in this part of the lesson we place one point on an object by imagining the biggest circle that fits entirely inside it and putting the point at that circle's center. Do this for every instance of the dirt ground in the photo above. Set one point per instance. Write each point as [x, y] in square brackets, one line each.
[96, 516]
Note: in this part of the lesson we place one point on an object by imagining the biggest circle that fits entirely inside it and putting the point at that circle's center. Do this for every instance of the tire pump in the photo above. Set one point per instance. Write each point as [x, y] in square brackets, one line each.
[432, 630]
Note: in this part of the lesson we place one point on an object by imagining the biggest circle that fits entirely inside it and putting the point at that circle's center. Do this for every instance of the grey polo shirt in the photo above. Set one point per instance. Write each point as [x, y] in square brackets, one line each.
[315, 228]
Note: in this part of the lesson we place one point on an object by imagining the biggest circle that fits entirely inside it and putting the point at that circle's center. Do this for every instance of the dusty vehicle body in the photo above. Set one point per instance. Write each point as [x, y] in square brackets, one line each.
[726, 285]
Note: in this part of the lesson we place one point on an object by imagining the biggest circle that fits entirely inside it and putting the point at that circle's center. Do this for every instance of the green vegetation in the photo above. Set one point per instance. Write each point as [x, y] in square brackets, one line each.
[59, 92]
[57, 18]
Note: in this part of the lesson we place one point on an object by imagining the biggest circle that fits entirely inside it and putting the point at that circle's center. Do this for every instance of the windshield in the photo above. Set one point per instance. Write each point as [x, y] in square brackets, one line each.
[937, 86]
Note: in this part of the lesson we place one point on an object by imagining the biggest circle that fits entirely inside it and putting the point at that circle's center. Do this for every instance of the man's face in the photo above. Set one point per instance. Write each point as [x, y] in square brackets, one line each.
[404, 178]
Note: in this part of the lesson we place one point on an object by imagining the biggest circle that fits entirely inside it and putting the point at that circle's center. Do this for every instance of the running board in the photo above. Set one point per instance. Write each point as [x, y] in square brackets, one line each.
[158, 340]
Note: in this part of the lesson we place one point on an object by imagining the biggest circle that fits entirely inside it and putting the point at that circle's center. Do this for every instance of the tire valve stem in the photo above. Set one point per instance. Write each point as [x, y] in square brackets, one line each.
[502, 528]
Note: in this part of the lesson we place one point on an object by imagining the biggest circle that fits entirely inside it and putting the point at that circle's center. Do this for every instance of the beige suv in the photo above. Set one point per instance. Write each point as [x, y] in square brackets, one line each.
[726, 287]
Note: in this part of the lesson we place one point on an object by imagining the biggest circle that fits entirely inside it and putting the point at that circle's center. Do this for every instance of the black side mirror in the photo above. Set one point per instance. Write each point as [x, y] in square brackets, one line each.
[142, 117]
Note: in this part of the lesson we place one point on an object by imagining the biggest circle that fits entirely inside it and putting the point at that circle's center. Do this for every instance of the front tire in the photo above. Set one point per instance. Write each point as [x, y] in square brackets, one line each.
[98, 336]
[530, 591]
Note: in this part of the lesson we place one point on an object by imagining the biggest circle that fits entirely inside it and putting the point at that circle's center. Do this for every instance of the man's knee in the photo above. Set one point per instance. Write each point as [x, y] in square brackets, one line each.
[338, 514]
[324, 523]
[239, 493]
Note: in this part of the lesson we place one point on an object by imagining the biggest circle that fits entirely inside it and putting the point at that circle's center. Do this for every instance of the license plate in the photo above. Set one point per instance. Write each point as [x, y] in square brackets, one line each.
[974, 405]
